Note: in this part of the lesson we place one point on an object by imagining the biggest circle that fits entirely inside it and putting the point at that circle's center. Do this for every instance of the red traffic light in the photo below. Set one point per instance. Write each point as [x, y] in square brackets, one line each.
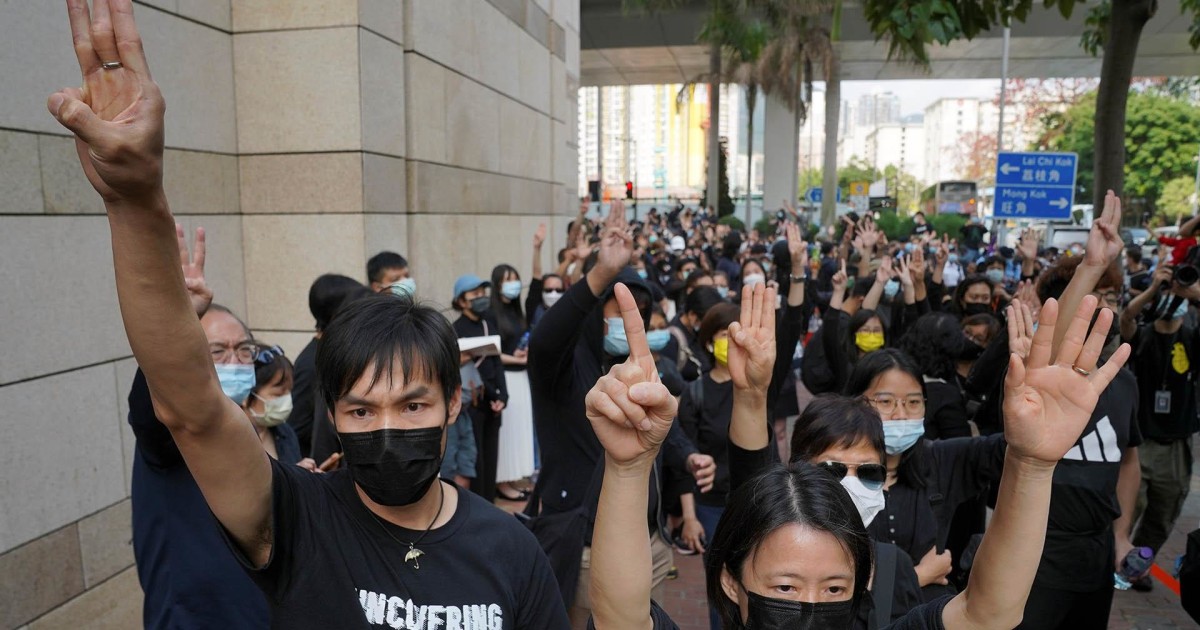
[629, 190]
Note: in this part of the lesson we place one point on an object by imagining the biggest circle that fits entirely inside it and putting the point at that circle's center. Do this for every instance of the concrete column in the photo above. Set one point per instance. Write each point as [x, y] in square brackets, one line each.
[781, 139]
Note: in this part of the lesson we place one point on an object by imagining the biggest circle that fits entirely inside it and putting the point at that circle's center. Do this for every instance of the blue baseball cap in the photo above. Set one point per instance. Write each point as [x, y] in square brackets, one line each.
[468, 282]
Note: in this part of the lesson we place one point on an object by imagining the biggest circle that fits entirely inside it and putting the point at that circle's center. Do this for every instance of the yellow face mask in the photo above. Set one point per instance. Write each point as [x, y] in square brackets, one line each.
[868, 341]
[721, 350]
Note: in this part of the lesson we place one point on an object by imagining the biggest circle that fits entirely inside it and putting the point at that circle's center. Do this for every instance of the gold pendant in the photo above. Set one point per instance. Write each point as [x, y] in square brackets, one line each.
[412, 555]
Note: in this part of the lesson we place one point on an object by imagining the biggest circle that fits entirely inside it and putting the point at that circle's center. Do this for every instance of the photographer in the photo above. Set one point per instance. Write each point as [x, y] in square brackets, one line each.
[1166, 359]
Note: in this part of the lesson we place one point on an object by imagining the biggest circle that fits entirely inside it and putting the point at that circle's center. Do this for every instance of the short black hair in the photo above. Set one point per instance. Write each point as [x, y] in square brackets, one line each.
[329, 293]
[384, 260]
[935, 342]
[266, 370]
[384, 329]
[831, 421]
[700, 300]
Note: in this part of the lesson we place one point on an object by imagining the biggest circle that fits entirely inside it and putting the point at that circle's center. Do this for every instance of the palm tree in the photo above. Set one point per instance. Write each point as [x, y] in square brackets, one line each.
[743, 51]
[803, 39]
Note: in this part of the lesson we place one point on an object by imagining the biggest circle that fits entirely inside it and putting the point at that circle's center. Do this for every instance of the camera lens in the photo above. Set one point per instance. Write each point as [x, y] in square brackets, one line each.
[1187, 275]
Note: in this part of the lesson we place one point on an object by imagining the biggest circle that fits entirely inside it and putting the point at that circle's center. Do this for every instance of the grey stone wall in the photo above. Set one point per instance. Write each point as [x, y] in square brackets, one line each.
[304, 136]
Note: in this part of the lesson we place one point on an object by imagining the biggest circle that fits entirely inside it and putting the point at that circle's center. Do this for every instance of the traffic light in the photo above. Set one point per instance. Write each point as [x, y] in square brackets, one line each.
[629, 190]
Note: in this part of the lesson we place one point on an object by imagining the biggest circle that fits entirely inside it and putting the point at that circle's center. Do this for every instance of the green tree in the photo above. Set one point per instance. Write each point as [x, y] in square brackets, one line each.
[1113, 26]
[724, 203]
[858, 170]
[1176, 203]
[1161, 134]
[904, 187]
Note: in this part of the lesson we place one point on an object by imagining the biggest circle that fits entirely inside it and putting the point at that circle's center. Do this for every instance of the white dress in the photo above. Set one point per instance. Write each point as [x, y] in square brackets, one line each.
[515, 460]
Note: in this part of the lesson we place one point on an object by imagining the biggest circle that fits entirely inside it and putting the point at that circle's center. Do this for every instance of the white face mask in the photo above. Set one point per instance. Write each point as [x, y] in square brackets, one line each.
[551, 298]
[275, 411]
[753, 279]
[869, 502]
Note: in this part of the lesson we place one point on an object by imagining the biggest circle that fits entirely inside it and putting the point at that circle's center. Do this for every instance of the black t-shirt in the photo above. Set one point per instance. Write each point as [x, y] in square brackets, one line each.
[920, 228]
[972, 234]
[1078, 554]
[1166, 362]
[923, 617]
[333, 566]
[706, 423]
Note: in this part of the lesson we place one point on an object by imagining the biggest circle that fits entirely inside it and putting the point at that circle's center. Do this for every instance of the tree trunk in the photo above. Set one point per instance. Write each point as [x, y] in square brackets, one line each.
[714, 127]
[833, 106]
[1125, 25]
[751, 101]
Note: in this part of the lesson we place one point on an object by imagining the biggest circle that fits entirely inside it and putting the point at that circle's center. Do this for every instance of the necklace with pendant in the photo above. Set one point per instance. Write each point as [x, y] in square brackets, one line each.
[414, 554]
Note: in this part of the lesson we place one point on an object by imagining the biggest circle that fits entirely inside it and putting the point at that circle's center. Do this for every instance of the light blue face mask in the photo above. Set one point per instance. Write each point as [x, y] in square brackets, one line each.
[237, 380]
[657, 339]
[1180, 311]
[995, 275]
[511, 289]
[404, 288]
[615, 341]
[642, 273]
[723, 292]
[891, 288]
[901, 435]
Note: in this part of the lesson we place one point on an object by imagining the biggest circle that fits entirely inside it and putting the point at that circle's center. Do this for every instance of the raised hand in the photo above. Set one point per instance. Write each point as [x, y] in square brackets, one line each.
[797, 248]
[1047, 405]
[884, 272]
[1028, 245]
[1104, 242]
[193, 270]
[1027, 293]
[630, 409]
[616, 244]
[752, 341]
[1020, 328]
[905, 272]
[117, 114]
[840, 279]
[916, 266]
[539, 236]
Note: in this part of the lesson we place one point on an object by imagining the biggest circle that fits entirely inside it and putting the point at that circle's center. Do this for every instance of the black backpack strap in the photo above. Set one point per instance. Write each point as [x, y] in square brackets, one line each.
[696, 392]
[884, 586]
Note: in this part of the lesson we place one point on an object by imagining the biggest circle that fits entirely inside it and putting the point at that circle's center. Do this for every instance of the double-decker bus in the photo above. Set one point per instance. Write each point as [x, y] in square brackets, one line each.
[951, 197]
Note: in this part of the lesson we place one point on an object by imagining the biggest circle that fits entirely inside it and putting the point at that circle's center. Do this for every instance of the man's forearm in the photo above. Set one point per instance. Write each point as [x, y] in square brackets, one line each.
[621, 558]
[748, 422]
[1082, 283]
[161, 325]
[1128, 482]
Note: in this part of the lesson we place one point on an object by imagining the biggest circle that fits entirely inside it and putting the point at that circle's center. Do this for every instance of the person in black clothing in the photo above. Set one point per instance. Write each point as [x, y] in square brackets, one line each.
[790, 550]
[972, 240]
[692, 360]
[1137, 272]
[335, 550]
[514, 460]
[934, 342]
[921, 226]
[471, 299]
[326, 295]
[927, 480]
[1167, 362]
[388, 271]
[572, 347]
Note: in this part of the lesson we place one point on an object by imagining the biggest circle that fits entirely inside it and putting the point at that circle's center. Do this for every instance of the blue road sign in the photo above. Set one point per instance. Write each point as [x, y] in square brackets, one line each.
[1035, 185]
[815, 195]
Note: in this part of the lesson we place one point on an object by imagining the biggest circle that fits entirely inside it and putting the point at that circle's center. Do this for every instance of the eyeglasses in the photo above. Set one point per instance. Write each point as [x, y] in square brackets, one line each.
[552, 291]
[872, 476]
[886, 405]
[266, 356]
[243, 352]
[1111, 298]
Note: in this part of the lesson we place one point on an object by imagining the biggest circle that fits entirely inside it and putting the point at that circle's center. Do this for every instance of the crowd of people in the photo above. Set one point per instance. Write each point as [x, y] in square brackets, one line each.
[928, 432]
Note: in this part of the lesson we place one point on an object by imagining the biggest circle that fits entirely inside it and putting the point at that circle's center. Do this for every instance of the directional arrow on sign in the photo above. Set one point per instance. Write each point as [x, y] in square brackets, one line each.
[1061, 203]
[1009, 168]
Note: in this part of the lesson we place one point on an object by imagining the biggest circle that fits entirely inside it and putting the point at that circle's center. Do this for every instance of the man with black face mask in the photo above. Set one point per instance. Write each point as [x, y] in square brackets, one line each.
[381, 541]
[471, 299]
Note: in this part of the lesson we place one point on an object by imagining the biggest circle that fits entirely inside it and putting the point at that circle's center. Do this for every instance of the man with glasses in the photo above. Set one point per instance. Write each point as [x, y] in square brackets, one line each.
[189, 576]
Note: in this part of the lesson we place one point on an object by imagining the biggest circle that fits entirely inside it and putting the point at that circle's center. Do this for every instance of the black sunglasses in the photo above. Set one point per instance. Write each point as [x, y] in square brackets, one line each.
[266, 356]
[873, 476]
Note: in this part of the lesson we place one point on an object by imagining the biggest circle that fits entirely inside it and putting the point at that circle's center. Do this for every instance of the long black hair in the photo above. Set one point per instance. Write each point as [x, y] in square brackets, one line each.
[935, 342]
[869, 368]
[857, 321]
[781, 496]
[509, 316]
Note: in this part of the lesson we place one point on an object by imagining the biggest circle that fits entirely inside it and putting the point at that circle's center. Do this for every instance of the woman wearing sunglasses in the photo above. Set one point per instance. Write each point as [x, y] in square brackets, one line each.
[927, 480]
[790, 550]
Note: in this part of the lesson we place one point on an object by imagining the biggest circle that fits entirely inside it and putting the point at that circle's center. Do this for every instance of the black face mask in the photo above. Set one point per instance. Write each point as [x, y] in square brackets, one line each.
[766, 613]
[970, 351]
[395, 467]
[480, 305]
[977, 309]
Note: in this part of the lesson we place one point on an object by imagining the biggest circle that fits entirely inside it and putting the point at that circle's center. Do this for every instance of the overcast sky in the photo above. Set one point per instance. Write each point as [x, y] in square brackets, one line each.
[916, 95]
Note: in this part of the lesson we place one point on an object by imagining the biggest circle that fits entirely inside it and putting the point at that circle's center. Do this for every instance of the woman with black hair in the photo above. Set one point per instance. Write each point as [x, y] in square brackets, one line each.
[927, 480]
[975, 295]
[790, 551]
[269, 405]
[514, 461]
[935, 342]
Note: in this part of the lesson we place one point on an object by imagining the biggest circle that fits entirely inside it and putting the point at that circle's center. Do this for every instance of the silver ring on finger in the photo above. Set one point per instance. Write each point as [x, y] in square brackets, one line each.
[111, 65]
[1080, 370]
